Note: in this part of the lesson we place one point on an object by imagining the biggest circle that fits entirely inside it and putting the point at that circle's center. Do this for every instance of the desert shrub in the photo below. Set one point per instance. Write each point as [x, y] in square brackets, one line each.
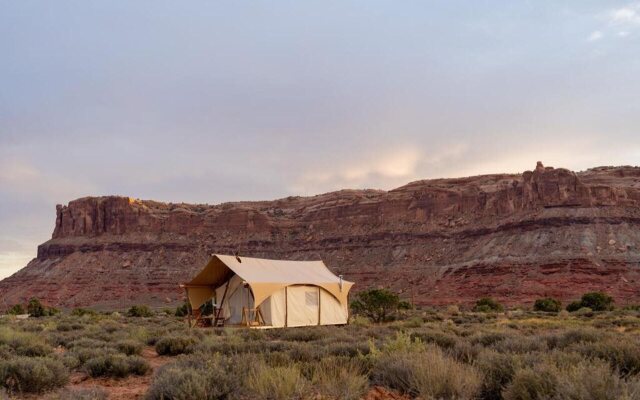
[547, 304]
[116, 365]
[276, 383]
[574, 306]
[302, 334]
[622, 355]
[568, 338]
[16, 310]
[428, 373]
[129, 347]
[340, 378]
[488, 304]
[182, 311]
[497, 370]
[443, 340]
[377, 304]
[195, 378]
[532, 383]
[597, 301]
[348, 349]
[81, 312]
[139, 311]
[83, 354]
[37, 310]
[489, 339]
[32, 374]
[174, 345]
[413, 322]
[24, 343]
[571, 379]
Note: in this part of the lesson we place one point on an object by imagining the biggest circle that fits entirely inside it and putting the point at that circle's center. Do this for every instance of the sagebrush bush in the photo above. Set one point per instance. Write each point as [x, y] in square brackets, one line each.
[199, 378]
[24, 343]
[276, 383]
[174, 345]
[340, 378]
[129, 347]
[32, 374]
[428, 373]
[116, 365]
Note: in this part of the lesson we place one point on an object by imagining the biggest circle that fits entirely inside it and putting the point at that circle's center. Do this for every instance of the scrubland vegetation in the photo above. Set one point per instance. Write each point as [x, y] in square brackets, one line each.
[428, 354]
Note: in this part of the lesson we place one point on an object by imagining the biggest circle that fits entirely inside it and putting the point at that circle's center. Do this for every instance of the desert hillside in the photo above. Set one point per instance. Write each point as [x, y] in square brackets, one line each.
[515, 237]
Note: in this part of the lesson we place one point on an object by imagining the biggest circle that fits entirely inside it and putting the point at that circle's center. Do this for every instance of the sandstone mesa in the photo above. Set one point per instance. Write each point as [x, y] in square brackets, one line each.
[546, 232]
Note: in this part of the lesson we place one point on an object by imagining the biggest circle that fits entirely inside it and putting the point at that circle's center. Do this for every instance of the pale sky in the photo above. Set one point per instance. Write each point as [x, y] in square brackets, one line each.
[208, 102]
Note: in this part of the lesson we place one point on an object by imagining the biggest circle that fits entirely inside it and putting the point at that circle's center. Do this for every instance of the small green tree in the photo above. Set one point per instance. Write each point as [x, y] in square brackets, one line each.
[547, 304]
[597, 301]
[488, 304]
[16, 310]
[376, 304]
[35, 308]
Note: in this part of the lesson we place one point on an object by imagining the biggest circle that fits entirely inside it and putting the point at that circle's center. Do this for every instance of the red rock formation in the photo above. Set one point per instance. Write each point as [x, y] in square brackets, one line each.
[516, 237]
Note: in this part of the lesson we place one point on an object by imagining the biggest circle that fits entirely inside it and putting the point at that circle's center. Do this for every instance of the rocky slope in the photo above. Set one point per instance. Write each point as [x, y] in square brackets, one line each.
[515, 237]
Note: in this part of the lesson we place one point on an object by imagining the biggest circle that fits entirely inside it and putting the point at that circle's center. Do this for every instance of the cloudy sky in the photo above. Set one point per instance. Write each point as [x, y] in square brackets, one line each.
[231, 100]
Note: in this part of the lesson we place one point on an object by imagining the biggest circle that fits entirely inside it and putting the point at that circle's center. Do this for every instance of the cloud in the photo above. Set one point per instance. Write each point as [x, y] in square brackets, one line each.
[595, 35]
[629, 14]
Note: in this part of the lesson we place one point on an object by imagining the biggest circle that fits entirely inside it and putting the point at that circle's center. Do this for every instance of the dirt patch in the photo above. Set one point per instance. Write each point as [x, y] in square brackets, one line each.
[380, 393]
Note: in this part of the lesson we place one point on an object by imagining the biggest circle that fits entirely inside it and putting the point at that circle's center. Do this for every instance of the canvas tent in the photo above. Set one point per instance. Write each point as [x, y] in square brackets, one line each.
[270, 293]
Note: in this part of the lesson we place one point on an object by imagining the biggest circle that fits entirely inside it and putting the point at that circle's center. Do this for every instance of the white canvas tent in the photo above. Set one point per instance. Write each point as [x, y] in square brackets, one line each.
[270, 293]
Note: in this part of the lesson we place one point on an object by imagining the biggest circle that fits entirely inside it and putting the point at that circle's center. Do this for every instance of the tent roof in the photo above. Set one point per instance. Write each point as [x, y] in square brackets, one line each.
[265, 276]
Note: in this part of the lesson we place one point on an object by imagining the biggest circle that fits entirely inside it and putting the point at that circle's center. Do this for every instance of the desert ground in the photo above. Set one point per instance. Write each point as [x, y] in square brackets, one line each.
[426, 354]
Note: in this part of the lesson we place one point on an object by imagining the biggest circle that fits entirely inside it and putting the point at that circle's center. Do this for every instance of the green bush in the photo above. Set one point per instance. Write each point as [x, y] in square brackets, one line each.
[32, 374]
[596, 301]
[547, 304]
[16, 310]
[37, 310]
[488, 304]
[182, 311]
[574, 306]
[377, 304]
[174, 345]
[498, 371]
[116, 365]
[139, 311]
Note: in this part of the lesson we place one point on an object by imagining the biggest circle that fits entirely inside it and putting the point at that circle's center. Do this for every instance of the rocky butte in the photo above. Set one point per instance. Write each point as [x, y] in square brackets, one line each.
[546, 232]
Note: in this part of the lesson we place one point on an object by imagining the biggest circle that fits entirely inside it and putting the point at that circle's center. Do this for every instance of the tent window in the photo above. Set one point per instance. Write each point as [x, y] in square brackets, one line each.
[311, 298]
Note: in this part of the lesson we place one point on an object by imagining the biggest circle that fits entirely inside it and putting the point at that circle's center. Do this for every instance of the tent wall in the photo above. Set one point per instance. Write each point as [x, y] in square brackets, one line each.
[331, 311]
[301, 307]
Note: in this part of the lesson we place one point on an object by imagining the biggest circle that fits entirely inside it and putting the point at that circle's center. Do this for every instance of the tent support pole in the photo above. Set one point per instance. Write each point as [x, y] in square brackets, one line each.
[219, 310]
[319, 303]
[286, 308]
[186, 291]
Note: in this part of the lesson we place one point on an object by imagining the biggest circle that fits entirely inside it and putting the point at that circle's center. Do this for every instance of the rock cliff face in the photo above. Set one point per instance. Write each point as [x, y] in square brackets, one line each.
[515, 237]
